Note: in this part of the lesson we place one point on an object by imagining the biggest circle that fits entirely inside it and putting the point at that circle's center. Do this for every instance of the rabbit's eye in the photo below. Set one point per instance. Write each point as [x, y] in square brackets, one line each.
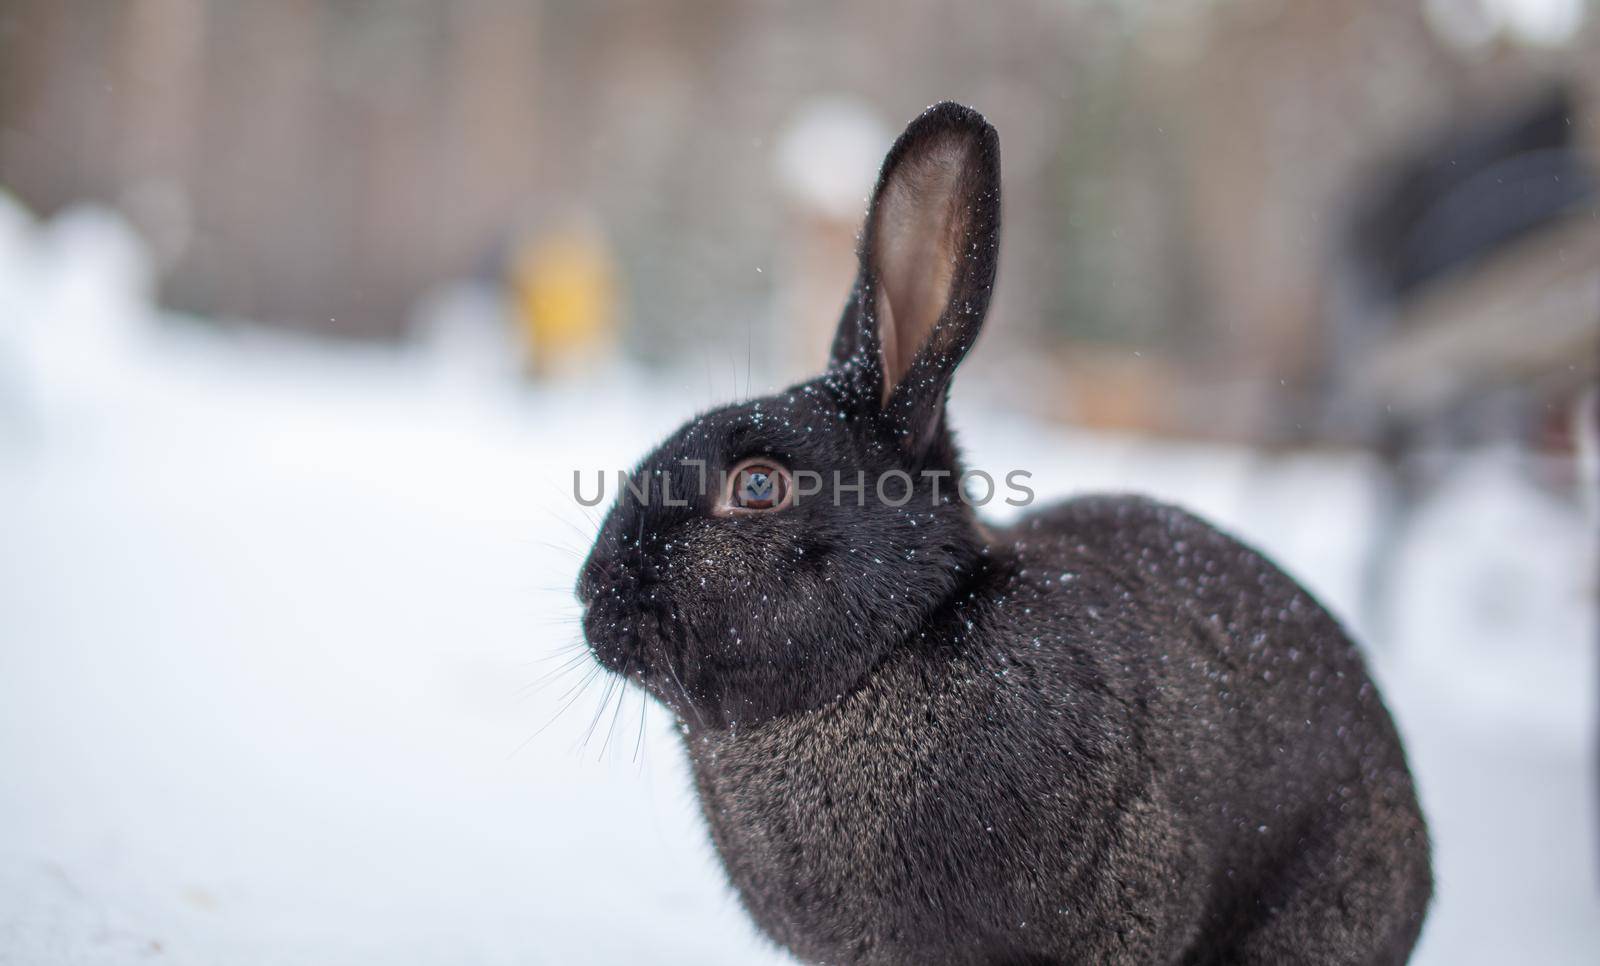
[758, 484]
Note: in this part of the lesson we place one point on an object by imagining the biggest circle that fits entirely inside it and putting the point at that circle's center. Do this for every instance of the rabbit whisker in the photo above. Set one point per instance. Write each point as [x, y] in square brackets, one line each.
[599, 712]
[622, 696]
[638, 743]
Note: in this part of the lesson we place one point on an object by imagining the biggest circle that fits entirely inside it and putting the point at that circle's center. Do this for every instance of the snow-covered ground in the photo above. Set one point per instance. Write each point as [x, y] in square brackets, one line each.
[276, 620]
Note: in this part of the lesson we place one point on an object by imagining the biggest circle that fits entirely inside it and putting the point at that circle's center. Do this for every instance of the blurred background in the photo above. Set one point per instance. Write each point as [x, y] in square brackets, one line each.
[310, 309]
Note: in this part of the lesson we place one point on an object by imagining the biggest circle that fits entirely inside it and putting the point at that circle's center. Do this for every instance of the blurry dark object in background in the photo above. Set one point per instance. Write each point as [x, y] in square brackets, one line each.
[1472, 193]
[1469, 307]
[1469, 311]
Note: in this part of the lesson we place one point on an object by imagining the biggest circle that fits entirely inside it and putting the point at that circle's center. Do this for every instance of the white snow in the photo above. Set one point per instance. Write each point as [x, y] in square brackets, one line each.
[270, 611]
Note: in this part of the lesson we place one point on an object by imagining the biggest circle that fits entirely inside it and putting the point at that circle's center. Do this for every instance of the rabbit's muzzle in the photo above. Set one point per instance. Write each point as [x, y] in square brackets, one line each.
[628, 618]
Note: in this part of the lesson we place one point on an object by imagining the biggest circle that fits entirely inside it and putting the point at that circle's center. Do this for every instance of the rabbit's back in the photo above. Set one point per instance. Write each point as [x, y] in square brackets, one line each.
[1255, 713]
[1226, 649]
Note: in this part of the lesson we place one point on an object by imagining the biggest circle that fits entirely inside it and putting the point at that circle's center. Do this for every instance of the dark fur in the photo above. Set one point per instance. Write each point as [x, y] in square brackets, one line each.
[1109, 734]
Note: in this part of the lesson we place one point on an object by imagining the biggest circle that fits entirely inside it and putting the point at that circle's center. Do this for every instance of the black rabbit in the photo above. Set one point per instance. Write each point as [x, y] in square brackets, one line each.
[1108, 734]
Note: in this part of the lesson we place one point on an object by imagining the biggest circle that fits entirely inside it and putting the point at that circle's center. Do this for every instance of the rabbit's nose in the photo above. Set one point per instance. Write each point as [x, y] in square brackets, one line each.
[613, 634]
[591, 581]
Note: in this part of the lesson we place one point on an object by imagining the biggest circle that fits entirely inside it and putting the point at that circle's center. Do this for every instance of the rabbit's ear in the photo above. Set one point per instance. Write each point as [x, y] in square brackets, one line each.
[928, 255]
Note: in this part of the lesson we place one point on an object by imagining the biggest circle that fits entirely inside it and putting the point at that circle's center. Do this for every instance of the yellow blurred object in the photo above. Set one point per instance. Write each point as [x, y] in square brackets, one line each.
[564, 288]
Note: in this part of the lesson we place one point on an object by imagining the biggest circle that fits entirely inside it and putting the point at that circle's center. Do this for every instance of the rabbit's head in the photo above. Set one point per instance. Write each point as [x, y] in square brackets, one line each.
[770, 553]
